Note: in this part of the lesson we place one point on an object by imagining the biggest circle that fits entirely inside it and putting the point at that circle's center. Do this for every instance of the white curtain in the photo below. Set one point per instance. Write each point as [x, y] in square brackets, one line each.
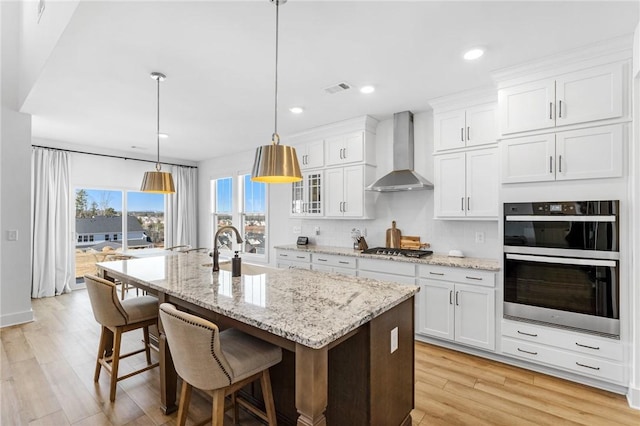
[181, 208]
[52, 250]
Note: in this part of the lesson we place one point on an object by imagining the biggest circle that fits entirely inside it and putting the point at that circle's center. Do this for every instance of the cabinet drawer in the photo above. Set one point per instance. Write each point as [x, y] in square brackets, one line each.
[387, 266]
[296, 256]
[332, 260]
[403, 279]
[585, 365]
[459, 275]
[564, 339]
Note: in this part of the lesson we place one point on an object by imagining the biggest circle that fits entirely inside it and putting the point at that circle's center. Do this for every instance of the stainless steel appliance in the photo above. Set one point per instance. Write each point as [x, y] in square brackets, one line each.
[561, 264]
[385, 251]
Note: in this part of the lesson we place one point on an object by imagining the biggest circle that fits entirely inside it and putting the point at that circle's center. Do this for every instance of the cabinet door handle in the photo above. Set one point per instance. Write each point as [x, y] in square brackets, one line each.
[527, 352]
[595, 348]
[457, 302]
[345, 153]
[550, 110]
[468, 133]
[468, 203]
[462, 203]
[527, 334]
[461, 134]
[587, 366]
[560, 163]
[436, 273]
[550, 164]
[345, 206]
[451, 297]
[560, 109]
[474, 278]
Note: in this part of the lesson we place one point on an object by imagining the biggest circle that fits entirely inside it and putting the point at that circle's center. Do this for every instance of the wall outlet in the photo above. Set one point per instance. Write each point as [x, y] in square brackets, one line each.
[12, 235]
[297, 230]
[317, 229]
[480, 237]
[394, 340]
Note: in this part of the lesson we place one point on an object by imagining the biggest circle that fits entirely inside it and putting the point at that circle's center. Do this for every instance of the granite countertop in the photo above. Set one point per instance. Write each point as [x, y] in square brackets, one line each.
[308, 307]
[434, 259]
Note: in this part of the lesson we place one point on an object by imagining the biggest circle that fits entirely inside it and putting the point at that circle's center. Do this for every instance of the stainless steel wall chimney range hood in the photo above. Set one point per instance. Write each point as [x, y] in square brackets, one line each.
[402, 178]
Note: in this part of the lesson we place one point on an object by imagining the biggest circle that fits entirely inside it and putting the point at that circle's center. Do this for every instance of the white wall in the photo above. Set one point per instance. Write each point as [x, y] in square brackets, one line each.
[15, 180]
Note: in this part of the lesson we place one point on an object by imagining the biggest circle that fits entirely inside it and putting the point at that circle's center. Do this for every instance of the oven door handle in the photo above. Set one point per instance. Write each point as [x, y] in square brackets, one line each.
[559, 218]
[562, 260]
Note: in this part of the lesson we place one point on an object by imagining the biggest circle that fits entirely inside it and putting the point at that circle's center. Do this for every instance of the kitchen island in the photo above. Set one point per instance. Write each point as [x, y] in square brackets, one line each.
[348, 352]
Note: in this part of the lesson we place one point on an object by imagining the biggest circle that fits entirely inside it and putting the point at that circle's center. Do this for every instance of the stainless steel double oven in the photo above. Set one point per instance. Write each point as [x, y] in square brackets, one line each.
[561, 264]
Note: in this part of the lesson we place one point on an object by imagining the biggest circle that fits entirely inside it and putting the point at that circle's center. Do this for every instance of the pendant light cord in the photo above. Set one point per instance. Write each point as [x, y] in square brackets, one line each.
[276, 138]
[158, 166]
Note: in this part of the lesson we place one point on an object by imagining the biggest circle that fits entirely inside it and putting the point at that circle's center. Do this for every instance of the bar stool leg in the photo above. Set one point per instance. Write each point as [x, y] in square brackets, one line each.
[115, 362]
[101, 353]
[147, 347]
[185, 400]
[267, 394]
[217, 410]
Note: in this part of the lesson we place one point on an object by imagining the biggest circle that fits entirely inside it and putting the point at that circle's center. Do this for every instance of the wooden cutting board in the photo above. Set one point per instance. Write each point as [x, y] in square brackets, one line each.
[393, 236]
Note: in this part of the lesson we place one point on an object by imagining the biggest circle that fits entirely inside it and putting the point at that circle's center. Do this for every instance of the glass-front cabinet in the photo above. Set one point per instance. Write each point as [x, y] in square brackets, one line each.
[306, 195]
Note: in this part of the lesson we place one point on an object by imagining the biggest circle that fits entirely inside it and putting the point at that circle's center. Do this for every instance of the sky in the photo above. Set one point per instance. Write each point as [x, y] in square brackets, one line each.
[137, 201]
[254, 195]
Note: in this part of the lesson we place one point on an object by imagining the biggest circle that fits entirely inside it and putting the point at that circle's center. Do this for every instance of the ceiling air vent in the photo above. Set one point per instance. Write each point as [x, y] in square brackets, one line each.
[336, 88]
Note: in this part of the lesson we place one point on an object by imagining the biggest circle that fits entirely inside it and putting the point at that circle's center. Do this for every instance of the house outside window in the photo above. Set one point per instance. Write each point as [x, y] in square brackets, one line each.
[237, 201]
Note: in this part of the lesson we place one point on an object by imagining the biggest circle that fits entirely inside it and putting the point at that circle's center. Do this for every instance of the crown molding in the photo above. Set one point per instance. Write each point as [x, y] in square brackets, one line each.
[465, 99]
[364, 123]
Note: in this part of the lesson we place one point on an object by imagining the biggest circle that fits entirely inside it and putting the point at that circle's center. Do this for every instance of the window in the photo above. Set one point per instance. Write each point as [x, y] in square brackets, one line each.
[115, 237]
[106, 237]
[242, 203]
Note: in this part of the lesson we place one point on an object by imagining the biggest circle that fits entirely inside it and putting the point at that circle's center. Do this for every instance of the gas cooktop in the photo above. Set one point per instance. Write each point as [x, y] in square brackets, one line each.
[385, 251]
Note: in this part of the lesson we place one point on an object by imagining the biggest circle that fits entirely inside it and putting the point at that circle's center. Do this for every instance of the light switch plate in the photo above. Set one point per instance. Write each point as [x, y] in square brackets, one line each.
[12, 235]
[394, 339]
[480, 237]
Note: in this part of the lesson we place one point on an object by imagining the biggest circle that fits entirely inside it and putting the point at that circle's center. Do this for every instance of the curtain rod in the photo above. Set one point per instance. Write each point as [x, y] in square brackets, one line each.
[112, 156]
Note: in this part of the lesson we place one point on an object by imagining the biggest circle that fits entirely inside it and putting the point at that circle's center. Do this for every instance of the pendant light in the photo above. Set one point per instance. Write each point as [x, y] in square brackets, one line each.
[158, 181]
[276, 163]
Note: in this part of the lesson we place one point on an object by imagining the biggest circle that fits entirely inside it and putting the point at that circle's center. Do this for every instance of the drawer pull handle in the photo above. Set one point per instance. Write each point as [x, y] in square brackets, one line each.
[527, 334]
[474, 278]
[322, 260]
[595, 348]
[436, 273]
[300, 257]
[343, 262]
[527, 352]
[284, 255]
[587, 366]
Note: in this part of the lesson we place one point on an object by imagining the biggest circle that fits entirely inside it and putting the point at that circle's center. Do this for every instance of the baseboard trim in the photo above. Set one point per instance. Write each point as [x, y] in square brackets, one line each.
[16, 318]
[633, 397]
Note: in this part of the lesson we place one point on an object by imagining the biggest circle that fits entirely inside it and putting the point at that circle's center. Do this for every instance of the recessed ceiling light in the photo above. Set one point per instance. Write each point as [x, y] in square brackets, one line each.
[472, 54]
[296, 110]
[367, 89]
[163, 135]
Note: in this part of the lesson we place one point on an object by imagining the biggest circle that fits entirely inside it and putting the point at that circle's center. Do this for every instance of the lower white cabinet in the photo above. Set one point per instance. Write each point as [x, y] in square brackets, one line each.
[290, 259]
[452, 310]
[595, 152]
[332, 263]
[588, 355]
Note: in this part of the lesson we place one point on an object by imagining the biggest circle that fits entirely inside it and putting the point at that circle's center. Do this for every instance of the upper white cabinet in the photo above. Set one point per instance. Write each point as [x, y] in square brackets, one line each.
[578, 97]
[595, 152]
[311, 154]
[466, 127]
[345, 149]
[306, 195]
[345, 192]
[466, 184]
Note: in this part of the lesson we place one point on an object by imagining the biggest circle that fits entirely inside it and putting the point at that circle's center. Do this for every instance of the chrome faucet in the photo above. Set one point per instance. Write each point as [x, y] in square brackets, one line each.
[216, 253]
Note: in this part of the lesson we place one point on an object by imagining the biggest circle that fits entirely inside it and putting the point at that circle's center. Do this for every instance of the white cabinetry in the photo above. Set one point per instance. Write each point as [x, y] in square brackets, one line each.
[466, 184]
[578, 97]
[311, 154]
[332, 263]
[588, 355]
[457, 304]
[293, 259]
[465, 127]
[387, 270]
[345, 149]
[345, 192]
[595, 152]
[306, 195]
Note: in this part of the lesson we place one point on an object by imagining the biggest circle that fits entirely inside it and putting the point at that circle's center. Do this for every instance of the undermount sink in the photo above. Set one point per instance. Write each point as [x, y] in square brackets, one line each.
[247, 268]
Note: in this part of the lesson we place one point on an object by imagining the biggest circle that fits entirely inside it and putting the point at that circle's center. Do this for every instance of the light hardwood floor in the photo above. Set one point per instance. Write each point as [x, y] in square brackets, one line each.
[46, 373]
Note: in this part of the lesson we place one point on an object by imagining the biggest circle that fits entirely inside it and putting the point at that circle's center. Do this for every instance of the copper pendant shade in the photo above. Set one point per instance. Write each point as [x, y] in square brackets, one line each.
[157, 181]
[276, 163]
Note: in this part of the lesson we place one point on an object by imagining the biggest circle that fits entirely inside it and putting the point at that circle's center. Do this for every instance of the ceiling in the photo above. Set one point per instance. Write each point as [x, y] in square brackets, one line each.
[219, 56]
